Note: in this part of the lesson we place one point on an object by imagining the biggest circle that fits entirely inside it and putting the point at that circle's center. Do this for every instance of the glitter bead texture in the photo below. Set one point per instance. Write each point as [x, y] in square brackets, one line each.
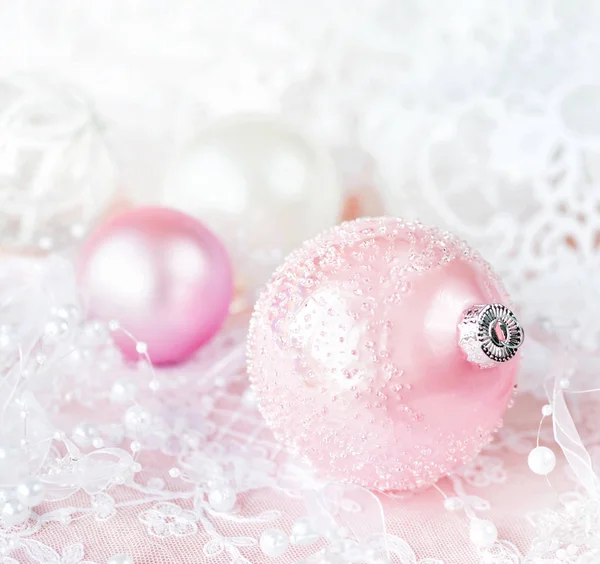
[353, 354]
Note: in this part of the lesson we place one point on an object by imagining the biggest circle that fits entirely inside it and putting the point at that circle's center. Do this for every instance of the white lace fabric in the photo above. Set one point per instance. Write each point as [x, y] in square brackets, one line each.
[482, 118]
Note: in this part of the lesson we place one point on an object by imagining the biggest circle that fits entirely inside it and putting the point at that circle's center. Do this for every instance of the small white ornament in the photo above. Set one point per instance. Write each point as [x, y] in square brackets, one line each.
[120, 559]
[547, 410]
[259, 184]
[222, 499]
[30, 492]
[14, 512]
[541, 460]
[274, 542]
[483, 533]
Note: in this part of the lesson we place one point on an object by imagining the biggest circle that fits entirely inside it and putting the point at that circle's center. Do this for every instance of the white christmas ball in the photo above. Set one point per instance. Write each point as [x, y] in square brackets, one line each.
[541, 460]
[483, 533]
[14, 512]
[262, 186]
[56, 174]
[274, 542]
[30, 492]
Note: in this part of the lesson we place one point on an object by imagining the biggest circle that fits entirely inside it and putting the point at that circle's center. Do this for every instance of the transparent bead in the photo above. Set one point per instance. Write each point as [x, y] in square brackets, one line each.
[30, 492]
[222, 499]
[123, 391]
[85, 433]
[14, 512]
[274, 542]
[137, 418]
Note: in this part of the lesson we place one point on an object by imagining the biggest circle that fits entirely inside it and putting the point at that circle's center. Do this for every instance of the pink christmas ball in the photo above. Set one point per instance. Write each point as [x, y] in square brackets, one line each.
[163, 275]
[373, 357]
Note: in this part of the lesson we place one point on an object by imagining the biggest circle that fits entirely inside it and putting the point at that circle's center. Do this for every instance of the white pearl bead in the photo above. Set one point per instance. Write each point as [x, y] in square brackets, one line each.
[137, 418]
[120, 559]
[14, 512]
[267, 189]
[547, 410]
[483, 533]
[222, 499]
[453, 504]
[122, 391]
[30, 492]
[84, 433]
[274, 542]
[541, 460]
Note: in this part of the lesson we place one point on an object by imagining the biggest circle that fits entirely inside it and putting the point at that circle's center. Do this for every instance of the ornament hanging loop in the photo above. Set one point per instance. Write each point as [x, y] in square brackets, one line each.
[490, 334]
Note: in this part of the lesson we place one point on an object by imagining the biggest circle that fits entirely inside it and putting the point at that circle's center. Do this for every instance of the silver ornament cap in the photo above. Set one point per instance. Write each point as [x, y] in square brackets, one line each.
[490, 334]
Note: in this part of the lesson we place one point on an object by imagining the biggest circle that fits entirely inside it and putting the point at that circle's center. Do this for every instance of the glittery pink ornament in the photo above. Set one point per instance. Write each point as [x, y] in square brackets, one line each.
[163, 275]
[374, 354]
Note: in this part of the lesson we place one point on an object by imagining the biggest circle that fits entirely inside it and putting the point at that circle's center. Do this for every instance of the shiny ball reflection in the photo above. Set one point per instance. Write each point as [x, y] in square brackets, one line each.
[262, 186]
[354, 355]
[163, 275]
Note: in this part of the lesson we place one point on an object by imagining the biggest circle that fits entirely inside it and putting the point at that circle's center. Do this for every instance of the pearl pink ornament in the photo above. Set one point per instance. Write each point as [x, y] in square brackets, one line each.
[374, 356]
[163, 275]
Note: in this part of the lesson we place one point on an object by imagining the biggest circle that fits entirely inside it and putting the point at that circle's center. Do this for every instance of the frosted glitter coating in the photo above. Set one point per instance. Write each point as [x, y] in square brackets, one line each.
[353, 354]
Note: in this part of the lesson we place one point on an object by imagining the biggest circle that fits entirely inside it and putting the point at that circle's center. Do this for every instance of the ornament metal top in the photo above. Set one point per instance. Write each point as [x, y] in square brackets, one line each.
[490, 334]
